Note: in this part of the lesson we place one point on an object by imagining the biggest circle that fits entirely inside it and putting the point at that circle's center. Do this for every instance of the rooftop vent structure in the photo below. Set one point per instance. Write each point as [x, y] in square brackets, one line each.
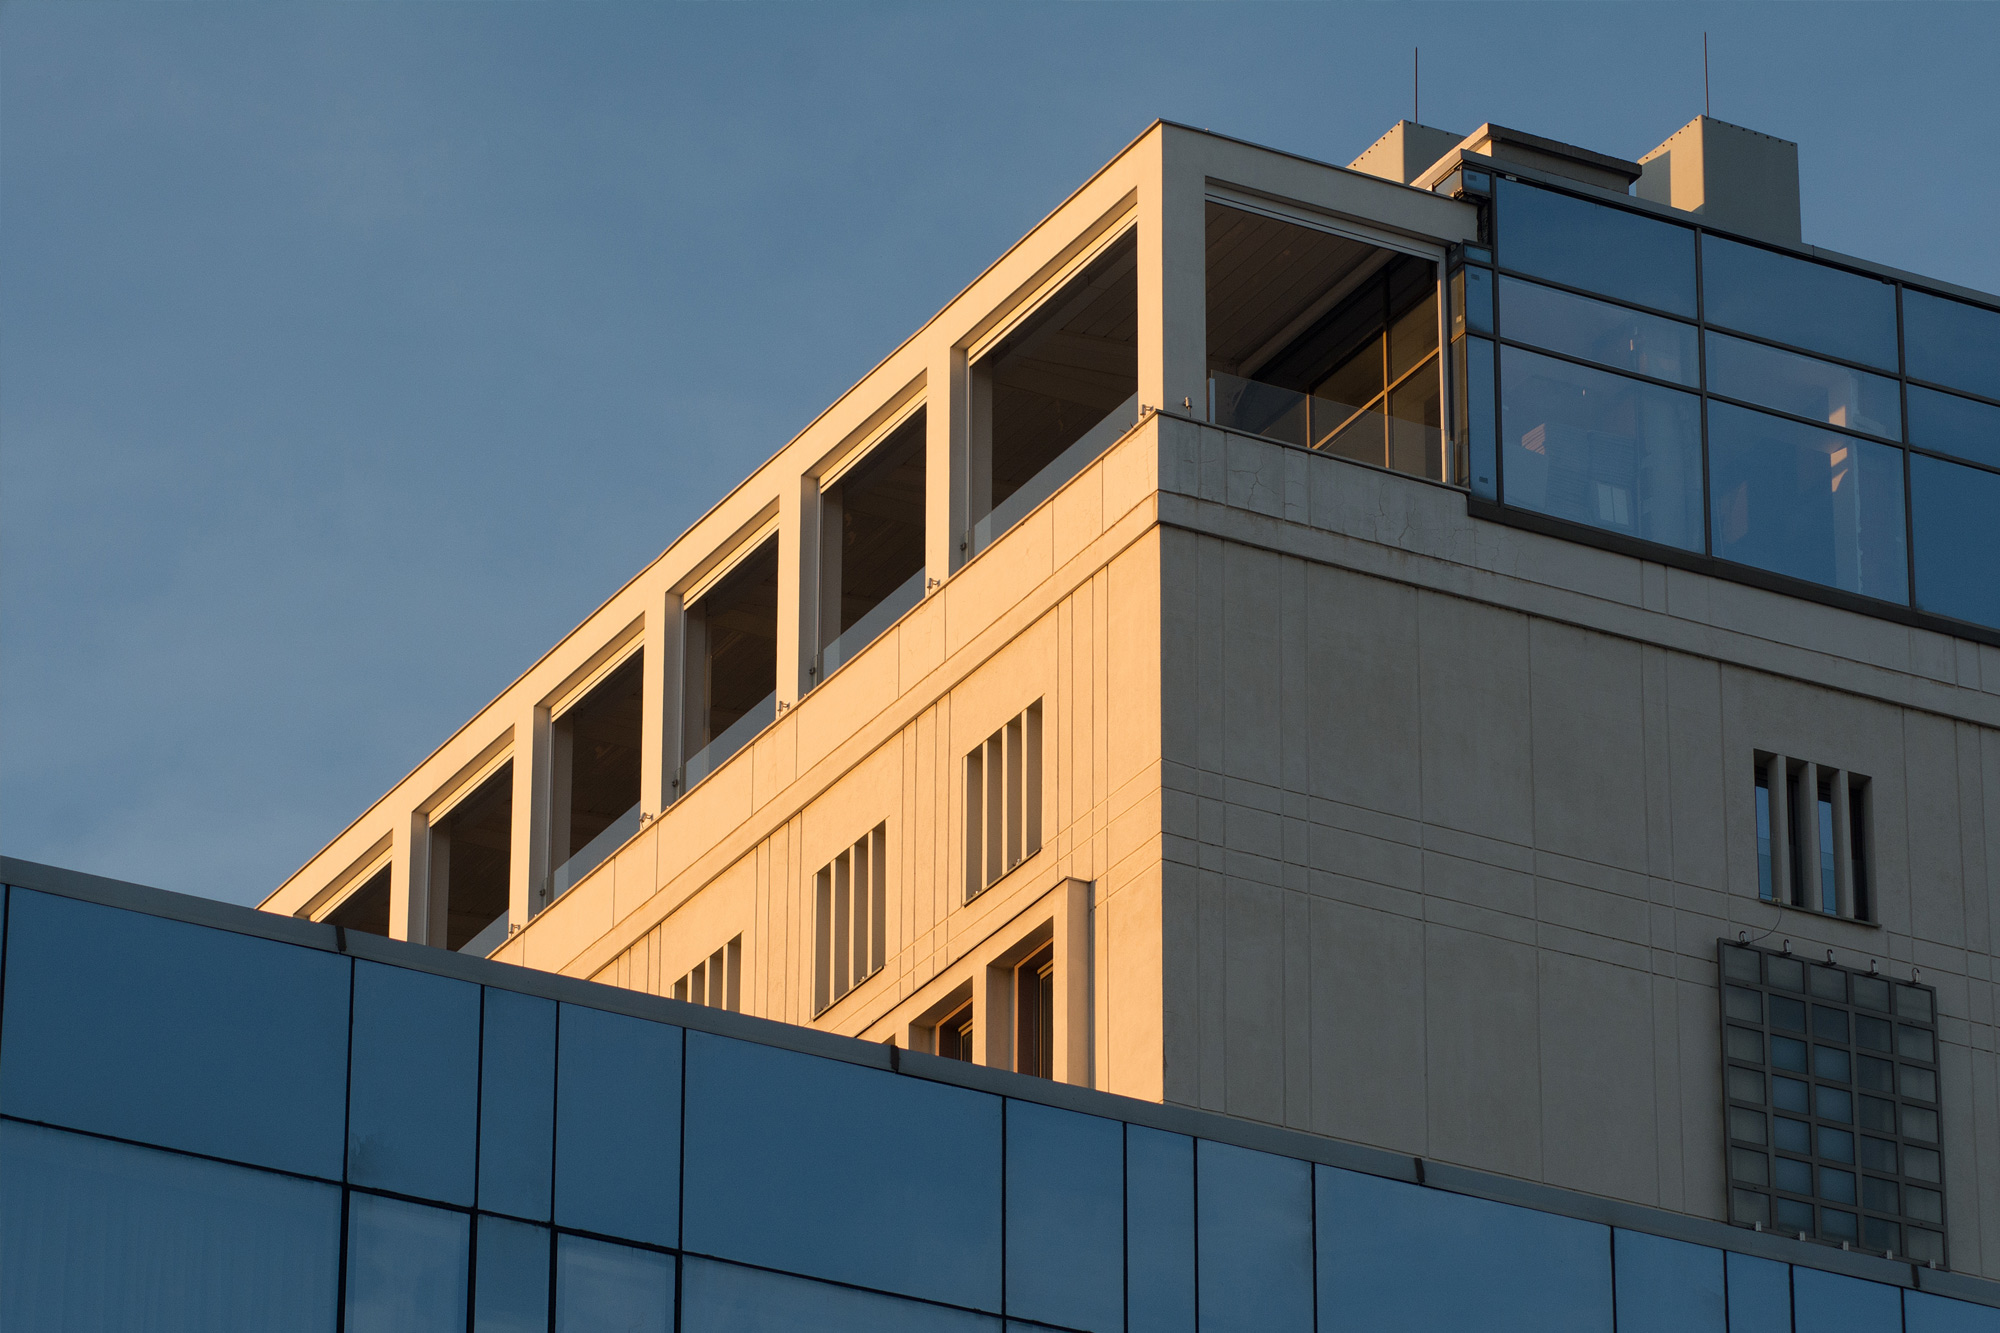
[1732, 177]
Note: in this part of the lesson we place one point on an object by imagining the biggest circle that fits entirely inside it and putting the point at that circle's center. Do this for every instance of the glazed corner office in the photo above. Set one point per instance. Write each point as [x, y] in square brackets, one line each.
[213, 1118]
[1380, 653]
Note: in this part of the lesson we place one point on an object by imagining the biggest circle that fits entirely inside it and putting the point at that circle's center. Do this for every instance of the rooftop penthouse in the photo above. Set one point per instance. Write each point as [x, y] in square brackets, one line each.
[1420, 653]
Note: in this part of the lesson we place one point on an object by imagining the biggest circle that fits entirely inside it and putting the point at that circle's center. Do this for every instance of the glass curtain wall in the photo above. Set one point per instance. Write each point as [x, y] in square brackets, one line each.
[1672, 385]
[730, 634]
[594, 774]
[871, 566]
[248, 1134]
[1324, 342]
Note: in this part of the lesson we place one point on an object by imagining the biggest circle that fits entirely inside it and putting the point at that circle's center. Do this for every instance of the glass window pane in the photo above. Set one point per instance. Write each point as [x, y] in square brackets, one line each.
[618, 1121]
[517, 1104]
[1667, 1286]
[1603, 249]
[1796, 301]
[98, 1234]
[1473, 290]
[1159, 1231]
[601, 1286]
[1831, 1303]
[1957, 426]
[1760, 1295]
[1065, 1217]
[1472, 372]
[725, 1298]
[1958, 543]
[1951, 343]
[175, 1034]
[836, 1171]
[1597, 448]
[1924, 1312]
[1254, 1250]
[1804, 386]
[1395, 1255]
[1809, 503]
[406, 1266]
[511, 1277]
[1611, 335]
[414, 1090]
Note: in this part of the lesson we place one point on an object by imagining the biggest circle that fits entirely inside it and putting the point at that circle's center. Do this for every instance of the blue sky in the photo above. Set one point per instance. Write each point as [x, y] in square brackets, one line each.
[350, 354]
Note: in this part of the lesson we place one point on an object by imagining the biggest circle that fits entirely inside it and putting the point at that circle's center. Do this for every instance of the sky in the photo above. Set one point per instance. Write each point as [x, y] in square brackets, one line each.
[351, 354]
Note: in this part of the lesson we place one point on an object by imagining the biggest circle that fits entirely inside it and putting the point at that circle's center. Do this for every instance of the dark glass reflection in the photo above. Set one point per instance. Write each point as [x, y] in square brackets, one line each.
[1474, 448]
[1804, 386]
[1760, 1295]
[1611, 335]
[1159, 1230]
[1951, 343]
[1608, 250]
[1667, 1286]
[601, 1286]
[413, 1096]
[1065, 1217]
[618, 1112]
[1949, 424]
[1254, 1231]
[1955, 513]
[408, 1266]
[1831, 1303]
[1808, 503]
[1796, 301]
[727, 1298]
[1597, 448]
[517, 1104]
[512, 1283]
[107, 1235]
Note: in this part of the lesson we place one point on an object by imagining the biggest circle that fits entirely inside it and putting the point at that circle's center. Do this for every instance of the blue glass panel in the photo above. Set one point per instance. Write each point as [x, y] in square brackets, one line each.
[1951, 343]
[407, 1266]
[1831, 1303]
[1472, 377]
[1956, 426]
[175, 1034]
[1796, 301]
[1254, 1227]
[1924, 1312]
[1159, 1231]
[1811, 503]
[837, 1171]
[1597, 448]
[1611, 335]
[103, 1235]
[1400, 1256]
[1065, 1217]
[517, 1104]
[724, 1298]
[618, 1126]
[1603, 249]
[1668, 1286]
[413, 1093]
[511, 1282]
[1958, 544]
[601, 1287]
[1476, 298]
[1805, 386]
[1760, 1295]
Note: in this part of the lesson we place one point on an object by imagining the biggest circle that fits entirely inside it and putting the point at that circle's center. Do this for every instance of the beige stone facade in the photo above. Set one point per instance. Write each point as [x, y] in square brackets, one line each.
[1356, 812]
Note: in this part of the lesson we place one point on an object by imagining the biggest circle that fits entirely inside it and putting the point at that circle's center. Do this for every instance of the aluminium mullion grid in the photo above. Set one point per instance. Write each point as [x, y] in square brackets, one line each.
[1850, 1010]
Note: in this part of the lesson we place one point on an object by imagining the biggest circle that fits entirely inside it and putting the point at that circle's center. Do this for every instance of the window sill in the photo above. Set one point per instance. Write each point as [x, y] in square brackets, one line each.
[1817, 915]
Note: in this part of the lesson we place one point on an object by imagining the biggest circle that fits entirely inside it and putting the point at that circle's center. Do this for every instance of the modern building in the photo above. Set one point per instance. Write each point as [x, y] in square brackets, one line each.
[214, 1119]
[1489, 655]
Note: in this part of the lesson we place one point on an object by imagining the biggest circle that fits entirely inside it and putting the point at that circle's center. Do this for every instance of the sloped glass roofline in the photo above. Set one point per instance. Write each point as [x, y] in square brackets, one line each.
[1349, 1163]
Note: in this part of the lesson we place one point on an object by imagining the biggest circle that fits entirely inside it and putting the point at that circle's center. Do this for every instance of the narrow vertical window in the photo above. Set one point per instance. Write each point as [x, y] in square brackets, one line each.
[716, 981]
[1766, 887]
[1857, 839]
[1034, 1014]
[1003, 800]
[850, 936]
[954, 1033]
[1829, 892]
[1795, 839]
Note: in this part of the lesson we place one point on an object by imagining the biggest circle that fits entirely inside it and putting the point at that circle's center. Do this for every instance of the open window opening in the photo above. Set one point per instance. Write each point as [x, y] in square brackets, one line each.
[1056, 392]
[732, 662]
[1035, 1013]
[367, 908]
[471, 855]
[871, 566]
[1813, 826]
[1326, 342]
[954, 1034]
[594, 775]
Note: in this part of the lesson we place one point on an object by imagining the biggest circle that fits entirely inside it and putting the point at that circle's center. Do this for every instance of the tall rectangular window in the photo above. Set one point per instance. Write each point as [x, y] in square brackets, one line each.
[871, 564]
[731, 670]
[1812, 837]
[1857, 846]
[594, 775]
[1003, 800]
[471, 866]
[850, 900]
[717, 980]
[1035, 1014]
[954, 1034]
[1829, 859]
[1766, 887]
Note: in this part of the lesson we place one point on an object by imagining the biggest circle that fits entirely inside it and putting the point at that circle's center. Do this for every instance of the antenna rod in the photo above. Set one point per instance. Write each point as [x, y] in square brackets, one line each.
[1704, 75]
[1416, 85]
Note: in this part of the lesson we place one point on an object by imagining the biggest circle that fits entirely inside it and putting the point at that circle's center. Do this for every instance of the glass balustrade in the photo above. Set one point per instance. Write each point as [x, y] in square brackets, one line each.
[1050, 479]
[592, 854]
[864, 631]
[711, 756]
